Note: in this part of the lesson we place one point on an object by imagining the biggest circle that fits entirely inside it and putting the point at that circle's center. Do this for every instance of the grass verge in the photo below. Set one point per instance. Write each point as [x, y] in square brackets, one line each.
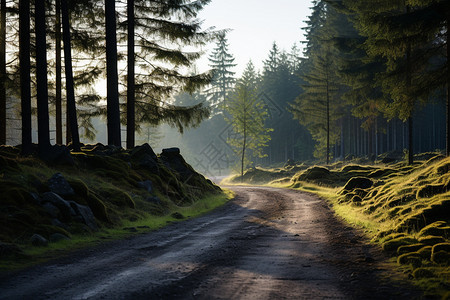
[35, 255]
[405, 209]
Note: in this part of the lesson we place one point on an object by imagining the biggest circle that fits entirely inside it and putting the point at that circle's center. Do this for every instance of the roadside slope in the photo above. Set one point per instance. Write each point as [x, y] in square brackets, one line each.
[266, 244]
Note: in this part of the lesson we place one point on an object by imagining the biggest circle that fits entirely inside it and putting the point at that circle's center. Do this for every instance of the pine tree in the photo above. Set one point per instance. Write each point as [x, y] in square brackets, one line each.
[131, 97]
[41, 78]
[3, 72]
[162, 31]
[222, 83]
[410, 35]
[113, 111]
[70, 89]
[319, 106]
[25, 89]
[247, 117]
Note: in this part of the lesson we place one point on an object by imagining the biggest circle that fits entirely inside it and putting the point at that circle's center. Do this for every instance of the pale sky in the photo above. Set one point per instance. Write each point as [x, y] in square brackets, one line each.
[255, 25]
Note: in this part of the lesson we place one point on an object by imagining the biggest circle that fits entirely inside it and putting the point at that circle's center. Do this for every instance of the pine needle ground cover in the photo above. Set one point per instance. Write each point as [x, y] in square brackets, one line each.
[101, 194]
[403, 208]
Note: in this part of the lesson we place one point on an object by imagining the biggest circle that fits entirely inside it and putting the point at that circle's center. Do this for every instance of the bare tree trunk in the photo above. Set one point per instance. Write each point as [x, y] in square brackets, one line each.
[58, 98]
[2, 72]
[447, 151]
[70, 89]
[131, 117]
[112, 79]
[328, 122]
[25, 85]
[408, 85]
[41, 78]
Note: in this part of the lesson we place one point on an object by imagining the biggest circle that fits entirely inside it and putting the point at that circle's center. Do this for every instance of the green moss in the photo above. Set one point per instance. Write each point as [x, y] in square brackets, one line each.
[431, 240]
[117, 197]
[441, 257]
[412, 258]
[438, 228]
[98, 208]
[409, 248]
[421, 273]
[441, 247]
[393, 244]
[425, 252]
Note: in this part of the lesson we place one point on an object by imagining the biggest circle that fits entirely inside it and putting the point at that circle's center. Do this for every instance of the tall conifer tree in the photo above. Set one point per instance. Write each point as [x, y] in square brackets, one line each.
[223, 80]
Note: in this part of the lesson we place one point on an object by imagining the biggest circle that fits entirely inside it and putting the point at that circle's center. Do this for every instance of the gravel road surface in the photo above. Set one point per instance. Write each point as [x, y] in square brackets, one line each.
[268, 243]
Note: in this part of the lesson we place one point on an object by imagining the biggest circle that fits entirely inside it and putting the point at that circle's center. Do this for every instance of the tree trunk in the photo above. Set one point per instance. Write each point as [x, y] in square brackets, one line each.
[25, 85]
[408, 86]
[2, 72]
[41, 78]
[447, 151]
[58, 98]
[328, 122]
[70, 89]
[112, 80]
[131, 117]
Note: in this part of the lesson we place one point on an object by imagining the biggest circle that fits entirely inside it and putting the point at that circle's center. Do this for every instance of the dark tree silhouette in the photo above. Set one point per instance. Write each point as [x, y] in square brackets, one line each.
[70, 89]
[41, 78]
[112, 80]
[131, 116]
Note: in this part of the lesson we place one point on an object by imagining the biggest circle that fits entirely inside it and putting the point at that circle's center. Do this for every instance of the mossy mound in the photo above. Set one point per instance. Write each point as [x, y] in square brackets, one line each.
[409, 248]
[107, 188]
[412, 258]
[421, 273]
[260, 175]
[394, 244]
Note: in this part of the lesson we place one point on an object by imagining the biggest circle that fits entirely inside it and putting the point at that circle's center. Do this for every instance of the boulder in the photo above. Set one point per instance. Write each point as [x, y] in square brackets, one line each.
[51, 209]
[38, 240]
[7, 250]
[171, 152]
[66, 210]
[147, 185]
[58, 223]
[154, 200]
[59, 155]
[85, 213]
[173, 159]
[358, 182]
[55, 237]
[59, 185]
[142, 150]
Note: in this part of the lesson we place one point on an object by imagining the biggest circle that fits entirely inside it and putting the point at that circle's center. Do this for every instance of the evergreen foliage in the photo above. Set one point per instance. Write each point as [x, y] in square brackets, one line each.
[247, 117]
[221, 61]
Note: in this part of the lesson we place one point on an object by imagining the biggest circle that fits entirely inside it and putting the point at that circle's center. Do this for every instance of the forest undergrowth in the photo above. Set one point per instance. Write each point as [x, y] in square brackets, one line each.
[405, 209]
[98, 194]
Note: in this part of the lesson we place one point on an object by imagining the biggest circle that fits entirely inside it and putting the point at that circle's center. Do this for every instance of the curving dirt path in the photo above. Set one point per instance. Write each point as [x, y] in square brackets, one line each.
[266, 244]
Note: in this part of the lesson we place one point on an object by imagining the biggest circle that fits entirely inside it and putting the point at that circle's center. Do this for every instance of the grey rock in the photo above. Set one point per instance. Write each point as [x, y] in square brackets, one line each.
[142, 150]
[148, 162]
[51, 209]
[147, 185]
[55, 237]
[154, 200]
[7, 249]
[85, 213]
[66, 210]
[59, 185]
[58, 223]
[35, 197]
[172, 158]
[38, 240]
[171, 151]
[58, 154]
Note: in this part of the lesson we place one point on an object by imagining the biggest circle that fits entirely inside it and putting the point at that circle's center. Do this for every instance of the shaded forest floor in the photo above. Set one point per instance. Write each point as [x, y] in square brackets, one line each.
[78, 199]
[405, 209]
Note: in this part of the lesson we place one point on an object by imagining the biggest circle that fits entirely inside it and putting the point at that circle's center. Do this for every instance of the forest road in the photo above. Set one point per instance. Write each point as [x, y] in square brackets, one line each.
[268, 243]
